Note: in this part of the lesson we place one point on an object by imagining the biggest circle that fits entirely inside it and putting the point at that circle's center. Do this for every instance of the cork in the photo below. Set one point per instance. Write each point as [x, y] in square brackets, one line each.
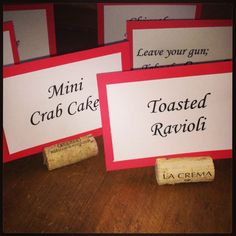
[70, 152]
[184, 170]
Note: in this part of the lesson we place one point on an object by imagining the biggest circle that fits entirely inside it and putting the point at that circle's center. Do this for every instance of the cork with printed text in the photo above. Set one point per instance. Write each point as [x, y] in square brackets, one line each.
[70, 152]
[184, 170]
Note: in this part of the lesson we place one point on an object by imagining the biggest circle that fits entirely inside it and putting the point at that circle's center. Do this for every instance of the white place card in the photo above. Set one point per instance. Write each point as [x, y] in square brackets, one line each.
[178, 111]
[55, 99]
[112, 17]
[34, 29]
[162, 43]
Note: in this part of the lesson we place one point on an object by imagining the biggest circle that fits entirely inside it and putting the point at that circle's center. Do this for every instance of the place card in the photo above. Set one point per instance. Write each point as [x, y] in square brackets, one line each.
[162, 43]
[10, 52]
[34, 29]
[53, 100]
[178, 111]
[112, 17]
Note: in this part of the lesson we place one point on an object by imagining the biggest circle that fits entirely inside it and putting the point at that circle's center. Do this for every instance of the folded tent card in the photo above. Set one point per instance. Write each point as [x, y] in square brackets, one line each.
[10, 52]
[55, 99]
[161, 43]
[112, 17]
[34, 29]
[177, 111]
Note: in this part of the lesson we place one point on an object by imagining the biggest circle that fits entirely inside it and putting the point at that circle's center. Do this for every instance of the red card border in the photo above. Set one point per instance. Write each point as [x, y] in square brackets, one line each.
[100, 14]
[8, 26]
[155, 24]
[50, 20]
[40, 64]
[145, 75]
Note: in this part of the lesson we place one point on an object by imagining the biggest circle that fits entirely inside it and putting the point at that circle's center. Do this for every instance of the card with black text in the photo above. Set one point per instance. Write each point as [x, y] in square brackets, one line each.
[171, 42]
[55, 99]
[166, 112]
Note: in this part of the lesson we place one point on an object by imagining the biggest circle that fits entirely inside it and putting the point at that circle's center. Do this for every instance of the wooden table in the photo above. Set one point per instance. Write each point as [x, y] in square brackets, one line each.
[85, 198]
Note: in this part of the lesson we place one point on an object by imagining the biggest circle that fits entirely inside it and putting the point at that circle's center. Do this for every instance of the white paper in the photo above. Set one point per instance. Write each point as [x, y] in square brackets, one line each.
[131, 119]
[8, 58]
[115, 17]
[181, 45]
[28, 93]
[31, 32]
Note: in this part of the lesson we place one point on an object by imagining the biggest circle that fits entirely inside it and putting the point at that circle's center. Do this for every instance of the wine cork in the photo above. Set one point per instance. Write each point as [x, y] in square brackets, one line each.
[70, 152]
[184, 170]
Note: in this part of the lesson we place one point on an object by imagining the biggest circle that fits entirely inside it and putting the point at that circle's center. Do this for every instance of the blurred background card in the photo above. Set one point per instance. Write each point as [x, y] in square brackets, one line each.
[34, 29]
[10, 52]
[112, 17]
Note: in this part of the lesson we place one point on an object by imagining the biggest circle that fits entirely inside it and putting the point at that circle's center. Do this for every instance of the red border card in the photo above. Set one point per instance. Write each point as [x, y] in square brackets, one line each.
[56, 61]
[8, 26]
[168, 73]
[100, 14]
[168, 24]
[50, 20]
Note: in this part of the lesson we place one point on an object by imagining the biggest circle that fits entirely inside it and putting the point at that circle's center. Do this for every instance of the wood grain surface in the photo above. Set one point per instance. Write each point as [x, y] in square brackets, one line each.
[85, 198]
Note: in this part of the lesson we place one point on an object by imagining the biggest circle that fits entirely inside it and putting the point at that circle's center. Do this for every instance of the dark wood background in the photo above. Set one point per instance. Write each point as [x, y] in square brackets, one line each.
[85, 198]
